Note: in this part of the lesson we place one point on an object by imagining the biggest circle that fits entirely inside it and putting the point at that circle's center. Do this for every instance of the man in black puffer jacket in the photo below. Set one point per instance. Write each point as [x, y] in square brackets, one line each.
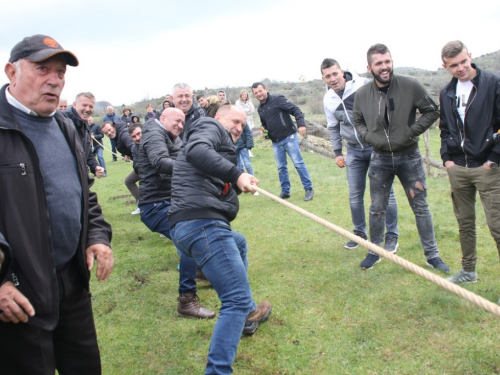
[155, 161]
[469, 122]
[205, 188]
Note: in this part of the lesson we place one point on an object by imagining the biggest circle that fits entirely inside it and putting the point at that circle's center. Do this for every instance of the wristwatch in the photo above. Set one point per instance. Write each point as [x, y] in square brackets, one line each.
[492, 164]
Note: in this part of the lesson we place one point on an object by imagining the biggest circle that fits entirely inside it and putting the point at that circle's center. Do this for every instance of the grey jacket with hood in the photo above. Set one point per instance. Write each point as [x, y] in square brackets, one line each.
[338, 112]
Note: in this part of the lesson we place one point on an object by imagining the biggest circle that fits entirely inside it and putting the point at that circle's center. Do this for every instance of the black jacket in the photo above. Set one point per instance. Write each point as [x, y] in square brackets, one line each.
[95, 129]
[471, 144]
[205, 175]
[193, 114]
[24, 222]
[124, 142]
[155, 162]
[275, 117]
[83, 130]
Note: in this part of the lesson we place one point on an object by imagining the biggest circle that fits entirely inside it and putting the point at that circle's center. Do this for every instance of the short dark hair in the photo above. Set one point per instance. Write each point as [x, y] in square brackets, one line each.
[257, 84]
[327, 63]
[452, 49]
[376, 48]
[200, 96]
[108, 122]
[133, 127]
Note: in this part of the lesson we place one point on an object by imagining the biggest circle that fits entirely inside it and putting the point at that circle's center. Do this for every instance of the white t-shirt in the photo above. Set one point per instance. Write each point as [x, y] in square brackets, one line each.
[463, 91]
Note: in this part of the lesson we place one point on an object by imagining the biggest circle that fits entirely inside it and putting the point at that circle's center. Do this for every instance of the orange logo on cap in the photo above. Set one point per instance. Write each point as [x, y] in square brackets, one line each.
[51, 42]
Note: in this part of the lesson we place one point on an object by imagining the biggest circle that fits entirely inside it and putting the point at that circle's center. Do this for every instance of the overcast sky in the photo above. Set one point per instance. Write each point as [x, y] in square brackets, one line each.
[130, 50]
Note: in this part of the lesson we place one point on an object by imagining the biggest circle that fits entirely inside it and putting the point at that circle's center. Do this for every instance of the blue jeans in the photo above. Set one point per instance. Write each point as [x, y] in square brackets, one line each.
[290, 145]
[357, 162]
[410, 170]
[154, 216]
[244, 160]
[113, 147]
[99, 153]
[221, 253]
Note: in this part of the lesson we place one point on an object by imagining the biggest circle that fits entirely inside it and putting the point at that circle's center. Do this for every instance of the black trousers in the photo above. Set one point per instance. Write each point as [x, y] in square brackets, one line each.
[71, 348]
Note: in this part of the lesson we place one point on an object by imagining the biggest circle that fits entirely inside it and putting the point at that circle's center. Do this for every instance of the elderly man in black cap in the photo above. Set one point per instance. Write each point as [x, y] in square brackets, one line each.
[50, 223]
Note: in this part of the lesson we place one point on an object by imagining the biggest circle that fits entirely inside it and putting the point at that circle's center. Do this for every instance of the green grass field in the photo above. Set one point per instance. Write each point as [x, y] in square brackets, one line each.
[329, 317]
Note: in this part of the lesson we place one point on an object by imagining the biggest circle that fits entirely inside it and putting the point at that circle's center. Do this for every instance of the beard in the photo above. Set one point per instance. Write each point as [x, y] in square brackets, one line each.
[381, 80]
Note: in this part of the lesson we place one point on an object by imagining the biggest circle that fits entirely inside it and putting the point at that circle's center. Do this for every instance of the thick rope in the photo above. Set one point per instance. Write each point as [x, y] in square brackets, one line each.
[442, 282]
[104, 147]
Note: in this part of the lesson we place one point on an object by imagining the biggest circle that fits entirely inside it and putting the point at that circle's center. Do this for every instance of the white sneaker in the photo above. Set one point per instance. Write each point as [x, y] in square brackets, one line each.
[162, 236]
[250, 153]
[136, 212]
[256, 193]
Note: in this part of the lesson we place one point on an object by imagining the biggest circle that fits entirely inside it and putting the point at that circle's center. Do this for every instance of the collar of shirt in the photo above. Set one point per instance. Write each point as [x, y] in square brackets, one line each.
[16, 103]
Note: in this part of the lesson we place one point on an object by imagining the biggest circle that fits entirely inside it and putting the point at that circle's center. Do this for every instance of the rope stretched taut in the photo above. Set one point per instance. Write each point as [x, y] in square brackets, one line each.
[104, 147]
[442, 282]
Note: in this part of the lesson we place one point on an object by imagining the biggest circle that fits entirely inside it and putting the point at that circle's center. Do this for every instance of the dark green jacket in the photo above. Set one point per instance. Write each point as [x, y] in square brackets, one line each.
[395, 132]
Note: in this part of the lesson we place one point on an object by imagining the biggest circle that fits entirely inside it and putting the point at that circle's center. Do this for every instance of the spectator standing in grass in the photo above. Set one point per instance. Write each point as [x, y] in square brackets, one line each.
[79, 113]
[243, 146]
[338, 103]
[274, 112]
[469, 124]
[210, 104]
[127, 139]
[155, 161]
[113, 117]
[183, 99]
[51, 226]
[97, 136]
[385, 116]
[245, 103]
[63, 105]
[127, 116]
[150, 113]
[205, 187]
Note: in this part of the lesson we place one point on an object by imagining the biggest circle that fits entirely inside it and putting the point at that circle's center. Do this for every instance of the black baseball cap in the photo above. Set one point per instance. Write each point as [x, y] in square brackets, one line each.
[38, 48]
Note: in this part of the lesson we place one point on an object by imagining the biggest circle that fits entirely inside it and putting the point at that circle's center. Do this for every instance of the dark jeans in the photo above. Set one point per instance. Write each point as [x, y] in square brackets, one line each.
[357, 163]
[71, 348]
[410, 170]
[113, 147]
[154, 216]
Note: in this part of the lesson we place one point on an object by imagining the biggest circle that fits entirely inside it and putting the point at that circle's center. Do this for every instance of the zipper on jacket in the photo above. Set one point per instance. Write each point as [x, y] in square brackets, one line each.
[348, 119]
[21, 166]
[386, 132]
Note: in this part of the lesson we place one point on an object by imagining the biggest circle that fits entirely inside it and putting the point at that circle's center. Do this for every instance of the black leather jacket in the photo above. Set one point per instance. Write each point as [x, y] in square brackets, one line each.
[471, 143]
[24, 222]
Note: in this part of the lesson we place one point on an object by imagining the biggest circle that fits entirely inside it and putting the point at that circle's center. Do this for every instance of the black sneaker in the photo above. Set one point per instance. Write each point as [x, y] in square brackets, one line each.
[351, 245]
[391, 244]
[284, 196]
[309, 195]
[369, 262]
[438, 264]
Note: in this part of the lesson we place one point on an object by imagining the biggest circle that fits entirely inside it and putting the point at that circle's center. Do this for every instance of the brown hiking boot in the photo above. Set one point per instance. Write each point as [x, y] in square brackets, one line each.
[259, 315]
[190, 307]
[201, 278]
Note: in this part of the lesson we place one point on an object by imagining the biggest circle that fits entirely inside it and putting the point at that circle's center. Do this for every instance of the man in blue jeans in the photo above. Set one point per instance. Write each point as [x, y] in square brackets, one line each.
[338, 103]
[274, 112]
[97, 136]
[205, 187]
[385, 116]
[158, 150]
